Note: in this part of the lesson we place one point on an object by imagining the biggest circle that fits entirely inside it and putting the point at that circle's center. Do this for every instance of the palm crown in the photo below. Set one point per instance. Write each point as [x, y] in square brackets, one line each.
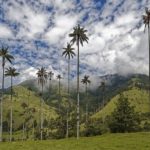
[102, 86]
[42, 75]
[50, 75]
[10, 71]
[86, 80]
[146, 18]
[59, 76]
[68, 51]
[5, 55]
[79, 35]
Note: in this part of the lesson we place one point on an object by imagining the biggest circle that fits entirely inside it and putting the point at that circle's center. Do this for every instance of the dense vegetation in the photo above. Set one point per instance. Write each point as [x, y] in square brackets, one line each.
[26, 106]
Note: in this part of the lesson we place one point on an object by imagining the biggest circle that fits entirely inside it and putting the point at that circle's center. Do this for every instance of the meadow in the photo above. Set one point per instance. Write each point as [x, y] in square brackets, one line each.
[126, 141]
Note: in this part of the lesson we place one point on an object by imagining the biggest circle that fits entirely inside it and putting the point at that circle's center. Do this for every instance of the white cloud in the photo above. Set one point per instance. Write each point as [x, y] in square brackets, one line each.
[5, 32]
[30, 21]
[62, 25]
[117, 43]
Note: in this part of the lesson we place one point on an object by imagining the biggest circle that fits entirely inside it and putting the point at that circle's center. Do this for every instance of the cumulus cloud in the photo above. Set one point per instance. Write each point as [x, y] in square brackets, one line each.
[36, 32]
[5, 32]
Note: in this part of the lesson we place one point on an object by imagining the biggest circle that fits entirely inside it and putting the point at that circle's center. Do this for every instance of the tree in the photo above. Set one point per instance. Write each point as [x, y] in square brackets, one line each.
[59, 78]
[12, 73]
[50, 76]
[102, 88]
[78, 36]
[5, 57]
[42, 78]
[68, 52]
[124, 118]
[86, 81]
[146, 21]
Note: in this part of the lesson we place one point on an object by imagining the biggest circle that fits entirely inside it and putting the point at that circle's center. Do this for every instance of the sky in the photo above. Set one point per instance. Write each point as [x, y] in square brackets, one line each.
[36, 31]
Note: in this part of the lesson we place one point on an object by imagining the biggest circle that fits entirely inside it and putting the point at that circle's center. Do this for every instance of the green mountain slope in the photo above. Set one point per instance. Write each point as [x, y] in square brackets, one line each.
[24, 97]
[137, 97]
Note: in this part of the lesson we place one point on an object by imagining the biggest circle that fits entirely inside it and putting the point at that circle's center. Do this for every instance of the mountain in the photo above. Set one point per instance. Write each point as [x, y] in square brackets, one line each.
[133, 87]
[22, 100]
[28, 95]
[115, 84]
[137, 98]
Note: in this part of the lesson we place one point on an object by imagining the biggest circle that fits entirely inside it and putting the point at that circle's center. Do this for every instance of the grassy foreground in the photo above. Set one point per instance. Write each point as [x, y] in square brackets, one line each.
[127, 141]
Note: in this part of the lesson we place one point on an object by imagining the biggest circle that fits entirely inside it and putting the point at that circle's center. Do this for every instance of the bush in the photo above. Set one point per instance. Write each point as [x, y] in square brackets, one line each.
[146, 126]
[95, 127]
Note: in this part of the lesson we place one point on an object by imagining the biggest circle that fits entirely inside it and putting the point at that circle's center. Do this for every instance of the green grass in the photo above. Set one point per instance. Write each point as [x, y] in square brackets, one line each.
[126, 141]
[137, 98]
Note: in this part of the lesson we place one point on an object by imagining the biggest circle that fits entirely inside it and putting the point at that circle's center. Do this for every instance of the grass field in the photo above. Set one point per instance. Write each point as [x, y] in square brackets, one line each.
[126, 141]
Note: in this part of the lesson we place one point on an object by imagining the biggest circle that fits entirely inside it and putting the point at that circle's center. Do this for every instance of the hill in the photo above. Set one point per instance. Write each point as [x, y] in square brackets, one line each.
[114, 84]
[137, 97]
[134, 86]
[24, 98]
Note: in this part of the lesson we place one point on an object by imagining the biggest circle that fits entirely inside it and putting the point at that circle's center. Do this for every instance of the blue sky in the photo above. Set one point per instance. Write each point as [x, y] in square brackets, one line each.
[37, 30]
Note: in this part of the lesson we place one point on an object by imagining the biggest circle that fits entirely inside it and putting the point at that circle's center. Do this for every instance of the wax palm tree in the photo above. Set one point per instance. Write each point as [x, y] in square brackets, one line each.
[5, 57]
[12, 73]
[42, 78]
[103, 87]
[29, 94]
[50, 76]
[78, 36]
[146, 21]
[86, 81]
[59, 78]
[68, 52]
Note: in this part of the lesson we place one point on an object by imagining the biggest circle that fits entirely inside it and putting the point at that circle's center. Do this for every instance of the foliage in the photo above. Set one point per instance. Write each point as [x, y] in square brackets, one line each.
[124, 118]
[95, 127]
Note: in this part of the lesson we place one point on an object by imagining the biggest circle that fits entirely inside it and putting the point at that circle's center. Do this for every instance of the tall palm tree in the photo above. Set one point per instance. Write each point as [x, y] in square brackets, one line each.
[68, 52]
[78, 36]
[50, 76]
[42, 78]
[59, 78]
[103, 87]
[5, 57]
[146, 21]
[29, 90]
[86, 81]
[12, 73]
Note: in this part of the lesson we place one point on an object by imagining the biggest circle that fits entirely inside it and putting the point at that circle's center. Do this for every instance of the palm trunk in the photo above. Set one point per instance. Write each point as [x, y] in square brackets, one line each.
[23, 128]
[78, 95]
[68, 79]
[11, 112]
[67, 124]
[49, 87]
[98, 102]
[86, 103]
[67, 130]
[33, 129]
[42, 114]
[28, 99]
[149, 57]
[1, 102]
[103, 106]
[59, 96]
